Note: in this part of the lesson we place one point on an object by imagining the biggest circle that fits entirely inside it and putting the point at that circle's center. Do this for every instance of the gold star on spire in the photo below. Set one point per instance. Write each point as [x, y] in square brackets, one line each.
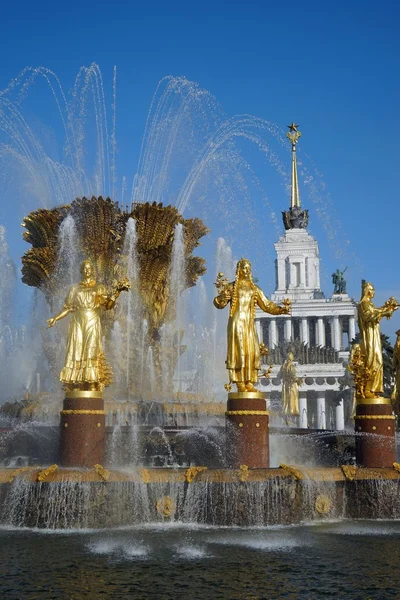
[292, 127]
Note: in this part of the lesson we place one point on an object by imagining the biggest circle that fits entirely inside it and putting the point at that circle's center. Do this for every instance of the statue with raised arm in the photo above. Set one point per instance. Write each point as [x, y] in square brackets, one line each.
[339, 281]
[290, 387]
[85, 366]
[243, 296]
[396, 364]
[368, 367]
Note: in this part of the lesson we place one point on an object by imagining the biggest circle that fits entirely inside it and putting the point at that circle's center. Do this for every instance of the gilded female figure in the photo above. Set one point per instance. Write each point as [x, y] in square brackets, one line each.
[85, 366]
[290, 387]
[243, 355]
[396, 364]
[369, 318]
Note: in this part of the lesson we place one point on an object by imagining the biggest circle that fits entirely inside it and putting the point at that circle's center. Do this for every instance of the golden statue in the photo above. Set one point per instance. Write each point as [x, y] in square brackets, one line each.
[290, 387]
[85, 366]
[102, 235]
[243, 355]
[396, 364]
[369, 355]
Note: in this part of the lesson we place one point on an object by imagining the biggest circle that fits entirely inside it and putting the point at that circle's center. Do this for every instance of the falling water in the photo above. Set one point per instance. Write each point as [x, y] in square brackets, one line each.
[131, 305]
[142, 362]
[16, 361]
[8, 280]
[68, 257]
[117, 352]
[176, 300]
[224, 264]
[116, 441]
[151, 373]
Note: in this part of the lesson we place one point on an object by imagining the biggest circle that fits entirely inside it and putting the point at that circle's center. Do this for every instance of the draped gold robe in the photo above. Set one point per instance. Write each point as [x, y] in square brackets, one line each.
[84, 356]
[290, 389]
[368, 322]
[243, 353]
[396, 364]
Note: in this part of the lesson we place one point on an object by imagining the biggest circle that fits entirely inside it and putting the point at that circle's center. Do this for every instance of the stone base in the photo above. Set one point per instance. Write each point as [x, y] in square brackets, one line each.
[375, 435]
[247, 422]
[82, 441]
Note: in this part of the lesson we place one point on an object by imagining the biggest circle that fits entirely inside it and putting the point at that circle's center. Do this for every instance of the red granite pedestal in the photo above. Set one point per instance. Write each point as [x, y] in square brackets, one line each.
[375, 426]
[82, 440]
[247, 427]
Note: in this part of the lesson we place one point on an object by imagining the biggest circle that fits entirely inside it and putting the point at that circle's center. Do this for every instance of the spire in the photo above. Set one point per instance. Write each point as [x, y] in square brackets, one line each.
[293, 134]
[294, 218]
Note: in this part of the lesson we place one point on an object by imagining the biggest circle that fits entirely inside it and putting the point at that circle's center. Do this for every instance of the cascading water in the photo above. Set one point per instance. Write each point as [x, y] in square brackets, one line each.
[224, 264]
[17, 367]
[7, 277]
[129, 351]
[68, 257]
[177, 301]
[116, 351]
[197, 358]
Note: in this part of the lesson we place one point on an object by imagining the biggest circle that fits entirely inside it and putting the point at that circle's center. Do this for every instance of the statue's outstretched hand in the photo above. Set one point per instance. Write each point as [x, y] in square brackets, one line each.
[389, 307]
[51, 322]
[286, 306]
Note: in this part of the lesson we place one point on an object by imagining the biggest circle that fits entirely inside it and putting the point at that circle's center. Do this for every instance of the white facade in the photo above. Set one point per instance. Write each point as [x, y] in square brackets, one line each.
[297, 266]
[314, 320]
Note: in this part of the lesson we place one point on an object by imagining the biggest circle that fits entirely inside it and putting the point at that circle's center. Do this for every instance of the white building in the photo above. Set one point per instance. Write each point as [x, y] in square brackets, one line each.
[318, 330]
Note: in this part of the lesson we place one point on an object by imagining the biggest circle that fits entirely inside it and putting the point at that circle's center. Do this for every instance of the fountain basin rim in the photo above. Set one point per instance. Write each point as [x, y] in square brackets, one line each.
[180, 475]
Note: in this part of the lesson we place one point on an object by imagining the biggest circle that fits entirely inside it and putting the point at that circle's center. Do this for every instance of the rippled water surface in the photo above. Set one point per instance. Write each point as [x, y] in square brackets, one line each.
[344, 560]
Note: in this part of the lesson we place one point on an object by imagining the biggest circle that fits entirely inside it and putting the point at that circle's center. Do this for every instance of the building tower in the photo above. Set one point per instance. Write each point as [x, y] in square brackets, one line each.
[319, 329]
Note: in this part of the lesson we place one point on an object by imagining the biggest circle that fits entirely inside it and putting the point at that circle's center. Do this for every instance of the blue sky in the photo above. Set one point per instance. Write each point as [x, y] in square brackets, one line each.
[333, 67]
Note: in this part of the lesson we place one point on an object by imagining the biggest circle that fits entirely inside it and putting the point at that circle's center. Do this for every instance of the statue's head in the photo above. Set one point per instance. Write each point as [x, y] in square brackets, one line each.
[87, 269]
[367, 289]
[290, 356]
[243, 269]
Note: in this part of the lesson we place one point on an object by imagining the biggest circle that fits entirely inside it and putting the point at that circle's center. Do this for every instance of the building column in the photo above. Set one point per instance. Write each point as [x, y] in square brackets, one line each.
[311, 274]
[317, 275]
[303, 273]
[292, 282]
[321, 331]
[259, 330]
[336, 341]
[303, 408]
[352, 329]
[288, 329]
[339, 414]
[304, 331]
[272, 333]
[321, 410]
[281, 273]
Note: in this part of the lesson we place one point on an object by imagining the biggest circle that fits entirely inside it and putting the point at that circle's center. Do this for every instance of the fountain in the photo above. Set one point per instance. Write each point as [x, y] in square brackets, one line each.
[179, 453]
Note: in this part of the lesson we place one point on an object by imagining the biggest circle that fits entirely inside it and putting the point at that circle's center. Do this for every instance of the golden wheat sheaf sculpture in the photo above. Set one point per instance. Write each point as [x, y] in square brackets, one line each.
[101, 226]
